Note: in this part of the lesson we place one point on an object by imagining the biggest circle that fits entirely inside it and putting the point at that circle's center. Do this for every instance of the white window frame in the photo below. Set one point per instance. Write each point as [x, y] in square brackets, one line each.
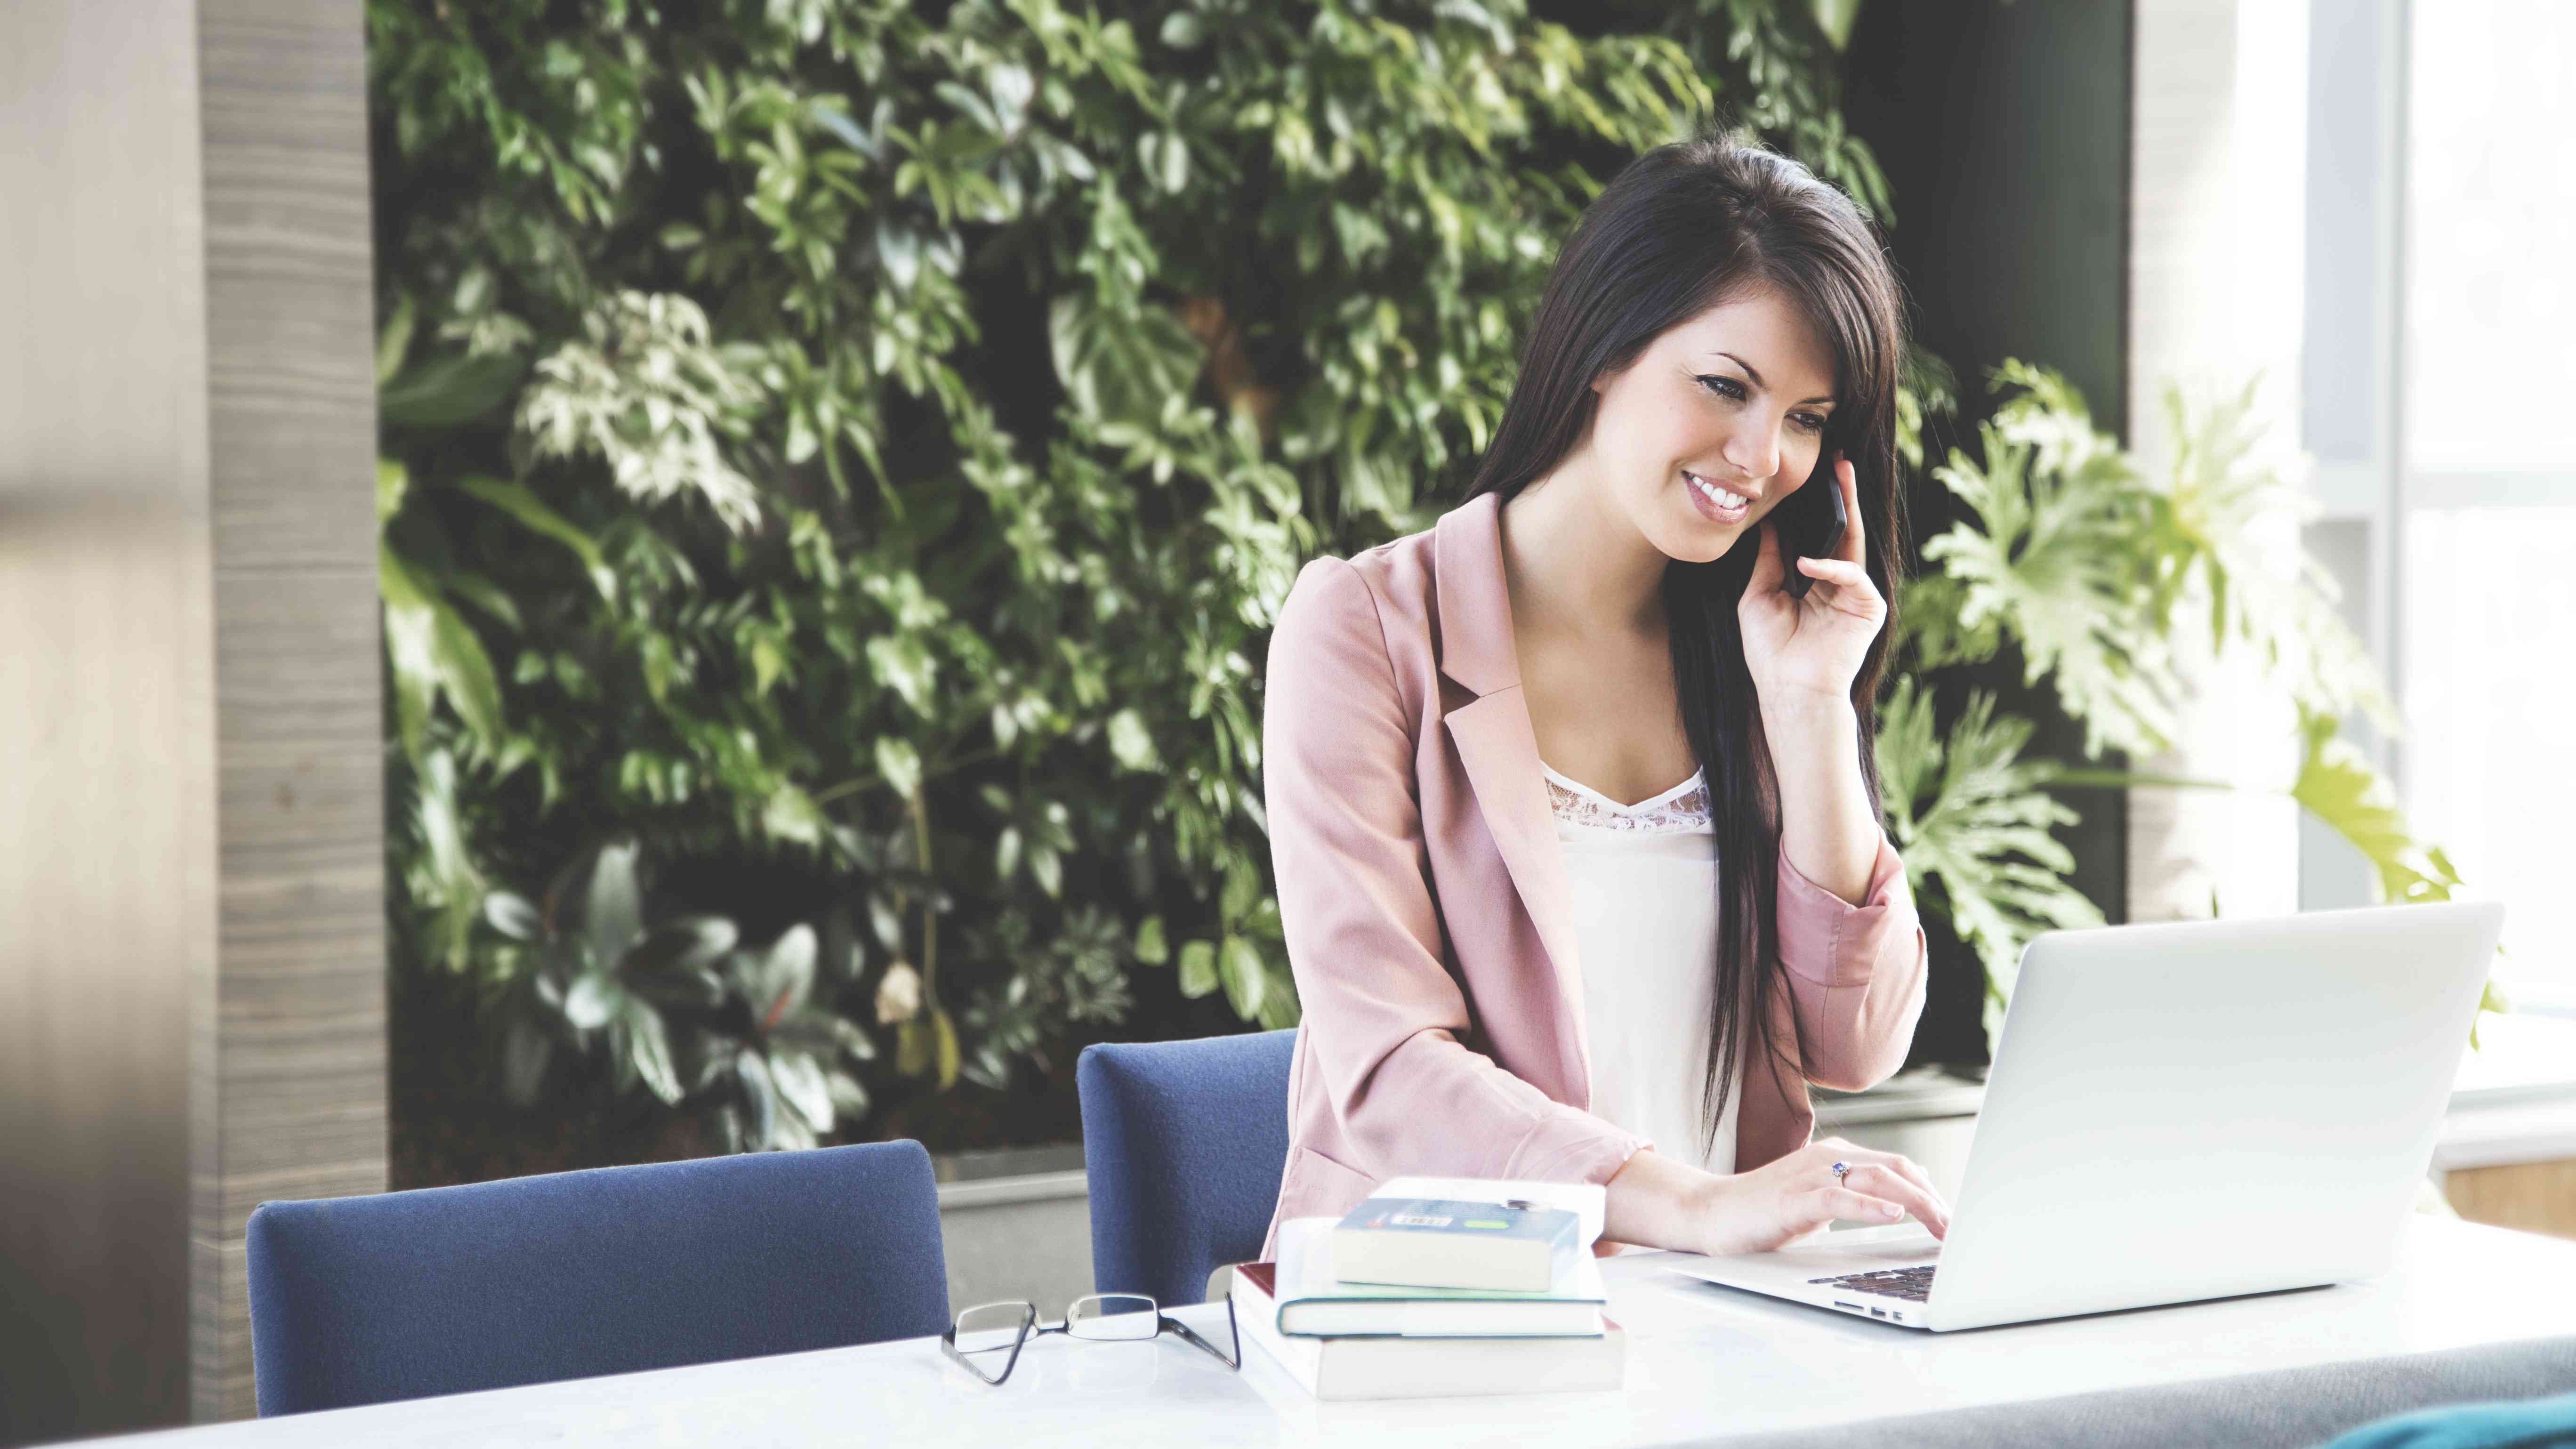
[2358, 246]
[2354, 398]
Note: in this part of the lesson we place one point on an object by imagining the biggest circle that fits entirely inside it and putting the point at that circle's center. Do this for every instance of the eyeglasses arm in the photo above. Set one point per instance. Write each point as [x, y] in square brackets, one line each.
[1232, 1360]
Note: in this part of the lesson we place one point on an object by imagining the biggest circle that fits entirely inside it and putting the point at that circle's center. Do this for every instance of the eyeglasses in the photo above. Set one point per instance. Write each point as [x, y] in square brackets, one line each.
[991, 1331]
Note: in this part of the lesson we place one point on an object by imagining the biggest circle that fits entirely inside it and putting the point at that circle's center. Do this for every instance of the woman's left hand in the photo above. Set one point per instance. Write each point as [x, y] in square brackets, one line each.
[1809, 650]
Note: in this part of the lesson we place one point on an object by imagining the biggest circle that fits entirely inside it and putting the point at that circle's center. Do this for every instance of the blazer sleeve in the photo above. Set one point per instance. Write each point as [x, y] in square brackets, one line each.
[1383, 1015]
[1855, 973]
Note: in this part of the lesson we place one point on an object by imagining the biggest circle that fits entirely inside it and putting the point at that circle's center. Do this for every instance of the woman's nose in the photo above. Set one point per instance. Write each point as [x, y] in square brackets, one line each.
[1757, 452]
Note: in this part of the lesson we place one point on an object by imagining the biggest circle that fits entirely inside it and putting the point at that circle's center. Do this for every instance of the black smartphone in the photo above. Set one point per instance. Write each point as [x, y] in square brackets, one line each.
[1811, 523]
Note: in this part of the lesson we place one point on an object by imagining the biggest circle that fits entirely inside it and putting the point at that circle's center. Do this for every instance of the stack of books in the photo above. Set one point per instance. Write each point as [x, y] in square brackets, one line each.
[1437, 1287]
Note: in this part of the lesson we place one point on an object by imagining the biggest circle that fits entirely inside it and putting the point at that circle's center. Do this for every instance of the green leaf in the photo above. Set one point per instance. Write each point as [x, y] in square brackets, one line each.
[1246, 979]
[1121, 368]
[1166, 158]
[487, 596]
[900, 763]
[1150, 947]
[791, 814]
[2340, 787]
[1967, 811]
[2056, 548]
[849, 1096]
[683, 943]
[513, 916]
[433, 652]
[525, 1055]
[531, 513]
[650, 1046]
[786, 975]
[802, 1086]
[443, 877]
[1198, 968]
[1130, 743]
[1182, 30]
[759, 1100]
[394, 339]
[393, 481]
[693, 991]
[613, 910]
[449, 390]
[915, 1047]
[1242, 889]
[944, 1039]
[1834, 18]
[594, 1001]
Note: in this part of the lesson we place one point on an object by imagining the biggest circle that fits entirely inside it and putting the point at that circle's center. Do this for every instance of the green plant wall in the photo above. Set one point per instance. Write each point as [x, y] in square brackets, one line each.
[842, 460]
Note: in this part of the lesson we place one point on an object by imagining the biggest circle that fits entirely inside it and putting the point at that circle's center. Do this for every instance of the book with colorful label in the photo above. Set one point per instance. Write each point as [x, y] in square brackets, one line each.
[1443, 1242]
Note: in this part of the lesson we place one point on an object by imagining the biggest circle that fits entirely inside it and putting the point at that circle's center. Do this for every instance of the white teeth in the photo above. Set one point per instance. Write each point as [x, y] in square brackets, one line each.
[1715, 494]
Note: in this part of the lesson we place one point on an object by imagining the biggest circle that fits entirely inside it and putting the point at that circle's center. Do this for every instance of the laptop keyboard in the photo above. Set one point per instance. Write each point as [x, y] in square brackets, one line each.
[1914, 1284]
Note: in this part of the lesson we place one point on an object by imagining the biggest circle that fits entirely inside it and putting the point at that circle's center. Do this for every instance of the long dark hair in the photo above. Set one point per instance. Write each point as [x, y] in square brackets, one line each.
[1684, 228]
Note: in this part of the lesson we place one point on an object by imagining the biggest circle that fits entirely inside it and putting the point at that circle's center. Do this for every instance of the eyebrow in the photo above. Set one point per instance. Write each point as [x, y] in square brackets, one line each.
[1757, 377]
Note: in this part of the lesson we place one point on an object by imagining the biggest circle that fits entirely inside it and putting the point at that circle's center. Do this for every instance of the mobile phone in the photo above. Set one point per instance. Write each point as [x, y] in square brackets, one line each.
[1811, 523]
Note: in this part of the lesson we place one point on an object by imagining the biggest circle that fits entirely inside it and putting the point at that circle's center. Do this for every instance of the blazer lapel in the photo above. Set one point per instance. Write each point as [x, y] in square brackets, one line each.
[1499, 749]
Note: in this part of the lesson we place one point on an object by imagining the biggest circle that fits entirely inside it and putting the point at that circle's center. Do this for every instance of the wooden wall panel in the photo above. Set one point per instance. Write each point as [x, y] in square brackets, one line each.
[298, 1071]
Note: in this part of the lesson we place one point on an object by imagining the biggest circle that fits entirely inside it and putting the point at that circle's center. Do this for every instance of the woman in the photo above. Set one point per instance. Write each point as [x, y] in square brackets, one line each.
[1523, 950]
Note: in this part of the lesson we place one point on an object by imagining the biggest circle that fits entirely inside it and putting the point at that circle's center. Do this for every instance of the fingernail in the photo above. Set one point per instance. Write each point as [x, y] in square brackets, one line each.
[1891, 1210]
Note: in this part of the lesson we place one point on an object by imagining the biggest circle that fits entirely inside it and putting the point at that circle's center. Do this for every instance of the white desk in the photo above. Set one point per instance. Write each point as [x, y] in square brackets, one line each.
[1705, 1364]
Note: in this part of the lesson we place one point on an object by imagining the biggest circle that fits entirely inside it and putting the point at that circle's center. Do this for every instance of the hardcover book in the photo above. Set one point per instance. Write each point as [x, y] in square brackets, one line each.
[1437, 1242]
[1342, 1368]
[1312, 1302]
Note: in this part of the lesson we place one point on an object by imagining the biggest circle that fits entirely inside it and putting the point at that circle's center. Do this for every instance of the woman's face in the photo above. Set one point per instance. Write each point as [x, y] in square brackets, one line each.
[1720, 419]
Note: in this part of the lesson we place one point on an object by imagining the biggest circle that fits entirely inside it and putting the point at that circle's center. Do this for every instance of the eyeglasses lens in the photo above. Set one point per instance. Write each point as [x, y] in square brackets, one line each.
[992, 1327]
[1113, 1315]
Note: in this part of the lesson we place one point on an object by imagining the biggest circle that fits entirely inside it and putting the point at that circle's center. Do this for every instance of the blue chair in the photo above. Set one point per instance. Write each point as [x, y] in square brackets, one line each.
[446, 1290]
[1185, 1142]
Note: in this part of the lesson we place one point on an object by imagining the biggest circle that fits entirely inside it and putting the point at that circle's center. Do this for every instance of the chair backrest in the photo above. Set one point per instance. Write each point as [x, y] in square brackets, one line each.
[1184, 1142]
[446, 1290]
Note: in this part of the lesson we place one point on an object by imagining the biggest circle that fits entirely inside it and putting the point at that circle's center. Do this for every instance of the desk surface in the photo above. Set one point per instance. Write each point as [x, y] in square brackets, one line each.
[1704, 1363]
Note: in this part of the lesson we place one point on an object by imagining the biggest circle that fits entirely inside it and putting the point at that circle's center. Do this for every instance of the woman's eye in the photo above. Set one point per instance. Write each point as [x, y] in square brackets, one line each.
[1728, 388]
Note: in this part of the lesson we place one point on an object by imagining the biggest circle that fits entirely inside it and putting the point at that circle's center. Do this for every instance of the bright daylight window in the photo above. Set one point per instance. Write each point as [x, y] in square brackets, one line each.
[2486, 574]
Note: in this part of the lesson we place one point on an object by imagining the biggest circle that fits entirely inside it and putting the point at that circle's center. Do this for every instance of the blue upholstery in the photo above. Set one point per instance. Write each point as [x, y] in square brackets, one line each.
[445, 1290]
[1185, 1142]
[2505, 1424]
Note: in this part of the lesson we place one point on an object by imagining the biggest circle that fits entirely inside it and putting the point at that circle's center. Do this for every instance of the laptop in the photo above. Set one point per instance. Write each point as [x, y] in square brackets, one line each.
[2179, 1111]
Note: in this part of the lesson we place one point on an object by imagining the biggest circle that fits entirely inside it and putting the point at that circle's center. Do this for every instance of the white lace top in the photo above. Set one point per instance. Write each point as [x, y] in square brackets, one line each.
[1644, 884]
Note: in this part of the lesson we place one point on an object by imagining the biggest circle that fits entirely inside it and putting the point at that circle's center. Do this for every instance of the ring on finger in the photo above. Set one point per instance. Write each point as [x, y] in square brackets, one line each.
[1841, 1171]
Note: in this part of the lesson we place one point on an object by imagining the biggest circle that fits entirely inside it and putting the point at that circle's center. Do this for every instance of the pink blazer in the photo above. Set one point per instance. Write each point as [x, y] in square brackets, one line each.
[1423, 899]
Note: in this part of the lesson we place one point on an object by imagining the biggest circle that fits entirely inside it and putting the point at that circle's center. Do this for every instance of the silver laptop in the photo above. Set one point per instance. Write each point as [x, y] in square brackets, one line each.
[2180, 1111]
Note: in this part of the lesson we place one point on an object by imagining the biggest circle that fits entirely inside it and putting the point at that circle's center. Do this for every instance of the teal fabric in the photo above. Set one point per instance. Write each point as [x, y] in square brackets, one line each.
[2512, 1424]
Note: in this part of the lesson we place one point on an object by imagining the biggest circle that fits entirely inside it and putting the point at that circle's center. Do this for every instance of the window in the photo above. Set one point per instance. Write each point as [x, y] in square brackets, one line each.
[2441, 405]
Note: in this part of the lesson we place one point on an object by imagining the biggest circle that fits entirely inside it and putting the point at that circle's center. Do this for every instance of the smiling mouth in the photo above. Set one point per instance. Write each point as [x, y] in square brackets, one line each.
[1718, 503]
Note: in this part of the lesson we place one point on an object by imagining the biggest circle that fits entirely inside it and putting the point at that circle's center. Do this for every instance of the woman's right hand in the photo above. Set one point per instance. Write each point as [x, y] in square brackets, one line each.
[1753, 1212]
